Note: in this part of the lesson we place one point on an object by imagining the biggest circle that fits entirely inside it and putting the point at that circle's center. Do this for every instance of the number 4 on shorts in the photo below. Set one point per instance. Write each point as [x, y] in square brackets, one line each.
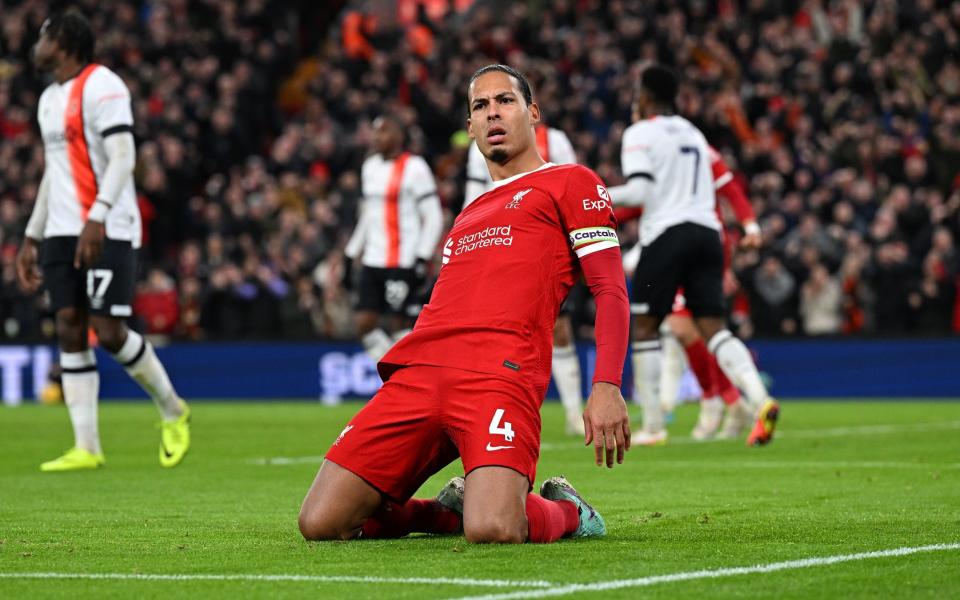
[506, 431]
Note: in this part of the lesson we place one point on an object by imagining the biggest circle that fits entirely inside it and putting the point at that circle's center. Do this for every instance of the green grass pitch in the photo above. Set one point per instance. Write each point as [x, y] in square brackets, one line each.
[842, 478]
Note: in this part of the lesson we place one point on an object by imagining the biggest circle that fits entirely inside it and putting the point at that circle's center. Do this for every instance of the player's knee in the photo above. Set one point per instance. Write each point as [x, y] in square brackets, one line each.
[366, 322]
[496, 530]
[686, 333]
[316, 525]
[71, 329]
[562, 334]
[645, 328]
[111, 334]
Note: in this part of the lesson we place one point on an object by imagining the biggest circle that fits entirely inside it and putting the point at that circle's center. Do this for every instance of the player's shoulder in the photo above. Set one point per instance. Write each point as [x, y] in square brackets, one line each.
[638, 135]
[559, 174]
[418, 162]
[559, 181]
[103, 77]
[371, 161]
[558, 134]
[45, 94]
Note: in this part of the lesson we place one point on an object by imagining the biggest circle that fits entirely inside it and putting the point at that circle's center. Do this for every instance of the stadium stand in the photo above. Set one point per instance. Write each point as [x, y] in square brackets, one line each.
[841, 118]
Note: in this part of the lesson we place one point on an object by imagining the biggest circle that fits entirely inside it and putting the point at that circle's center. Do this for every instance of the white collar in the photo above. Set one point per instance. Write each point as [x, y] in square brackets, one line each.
[497, 184]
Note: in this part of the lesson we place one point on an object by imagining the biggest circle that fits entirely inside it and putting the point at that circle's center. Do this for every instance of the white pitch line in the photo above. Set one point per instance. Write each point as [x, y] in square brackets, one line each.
[500, 583]
[710, 573]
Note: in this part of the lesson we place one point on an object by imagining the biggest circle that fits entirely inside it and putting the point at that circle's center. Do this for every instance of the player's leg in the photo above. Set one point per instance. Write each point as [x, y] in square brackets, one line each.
[705, 299]
[382, 456]
[496, 425]
[647, 362]
[81, 387]
[672, 366]
[566, 374]
[655, 284]
[81, 382]
[110, 286]
[337, 504]
[399, 297]
[494, 506]
[370, 304]
[138, 358]
[700, 359]
[735, 361]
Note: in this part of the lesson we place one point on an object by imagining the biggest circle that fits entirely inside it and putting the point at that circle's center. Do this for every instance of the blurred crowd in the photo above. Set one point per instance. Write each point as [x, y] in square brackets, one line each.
[840, 118]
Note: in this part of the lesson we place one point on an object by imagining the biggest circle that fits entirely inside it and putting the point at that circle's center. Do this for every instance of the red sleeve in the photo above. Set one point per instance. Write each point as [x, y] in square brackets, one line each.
[729, 189]
[732, 192]
[624, 214]
[587, 216]
[604, 274]
[586, 212]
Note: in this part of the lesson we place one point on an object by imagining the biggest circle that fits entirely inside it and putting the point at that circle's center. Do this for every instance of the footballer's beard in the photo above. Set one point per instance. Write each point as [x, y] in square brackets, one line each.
[499, 156]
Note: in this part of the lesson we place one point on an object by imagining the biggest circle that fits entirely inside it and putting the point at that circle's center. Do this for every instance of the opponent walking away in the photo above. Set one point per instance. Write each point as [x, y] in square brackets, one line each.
[87, 220]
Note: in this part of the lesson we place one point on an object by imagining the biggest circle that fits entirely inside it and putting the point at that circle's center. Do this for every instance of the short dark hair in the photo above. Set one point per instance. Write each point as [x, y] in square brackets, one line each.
[661, 83]
[525, 88]
[395, 120]
[72, 32]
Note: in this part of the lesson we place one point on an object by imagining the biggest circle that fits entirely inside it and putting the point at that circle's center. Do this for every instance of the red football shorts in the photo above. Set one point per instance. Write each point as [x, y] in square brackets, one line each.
[424, 417]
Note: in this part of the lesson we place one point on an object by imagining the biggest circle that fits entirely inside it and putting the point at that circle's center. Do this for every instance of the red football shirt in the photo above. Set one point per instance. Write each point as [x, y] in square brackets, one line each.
[508, 263]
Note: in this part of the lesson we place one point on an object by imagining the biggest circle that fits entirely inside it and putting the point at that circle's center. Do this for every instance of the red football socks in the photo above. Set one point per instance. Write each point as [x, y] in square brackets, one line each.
[394, 520]
[700, 358]
[725, 388]
[550, 520]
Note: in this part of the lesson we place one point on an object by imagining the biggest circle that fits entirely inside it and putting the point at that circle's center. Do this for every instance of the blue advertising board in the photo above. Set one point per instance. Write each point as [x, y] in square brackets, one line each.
[329, 372]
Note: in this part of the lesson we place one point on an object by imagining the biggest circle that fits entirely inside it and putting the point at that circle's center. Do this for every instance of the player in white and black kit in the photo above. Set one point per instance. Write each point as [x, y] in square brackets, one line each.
[554, 146]
[396, 236]
[666, 161]
[87, 220]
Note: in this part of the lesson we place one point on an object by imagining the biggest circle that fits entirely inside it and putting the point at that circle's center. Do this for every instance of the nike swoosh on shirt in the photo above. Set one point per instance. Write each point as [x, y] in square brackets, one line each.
[492, 448]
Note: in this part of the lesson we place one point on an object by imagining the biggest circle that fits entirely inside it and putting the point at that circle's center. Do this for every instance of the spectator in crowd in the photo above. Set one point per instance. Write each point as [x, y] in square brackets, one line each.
[821, 299]
[842, 118]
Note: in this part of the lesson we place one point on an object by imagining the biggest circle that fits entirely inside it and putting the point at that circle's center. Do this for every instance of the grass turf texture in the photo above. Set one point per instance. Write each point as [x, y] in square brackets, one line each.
[837, 481]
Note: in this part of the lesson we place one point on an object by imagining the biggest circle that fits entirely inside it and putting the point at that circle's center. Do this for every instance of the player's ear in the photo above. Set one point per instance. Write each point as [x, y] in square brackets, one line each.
[470, 129]
[534, 113]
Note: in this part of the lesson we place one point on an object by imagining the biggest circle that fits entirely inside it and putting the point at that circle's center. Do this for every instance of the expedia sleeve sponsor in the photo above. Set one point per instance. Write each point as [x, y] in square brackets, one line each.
[591, 239]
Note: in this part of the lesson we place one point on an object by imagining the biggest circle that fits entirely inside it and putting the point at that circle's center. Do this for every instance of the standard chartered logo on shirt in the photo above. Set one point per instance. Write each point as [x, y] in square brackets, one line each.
[501, 235]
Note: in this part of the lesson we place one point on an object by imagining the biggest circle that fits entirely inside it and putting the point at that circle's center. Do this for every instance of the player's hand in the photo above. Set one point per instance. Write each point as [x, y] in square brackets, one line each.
[421, 269]
[751, 240]
[89, 245]
[606, 423]
[28, 274]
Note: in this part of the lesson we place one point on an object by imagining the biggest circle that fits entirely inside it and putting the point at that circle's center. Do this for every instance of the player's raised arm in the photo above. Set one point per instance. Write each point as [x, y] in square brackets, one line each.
[592, 228]
[732, 192]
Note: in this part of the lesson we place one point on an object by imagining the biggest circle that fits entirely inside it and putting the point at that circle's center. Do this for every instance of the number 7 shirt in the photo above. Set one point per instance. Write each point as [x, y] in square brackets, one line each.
[673, 154]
